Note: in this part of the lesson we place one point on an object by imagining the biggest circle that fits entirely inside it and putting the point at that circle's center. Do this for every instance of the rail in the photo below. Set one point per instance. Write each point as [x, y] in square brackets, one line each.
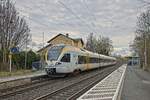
[70, 91]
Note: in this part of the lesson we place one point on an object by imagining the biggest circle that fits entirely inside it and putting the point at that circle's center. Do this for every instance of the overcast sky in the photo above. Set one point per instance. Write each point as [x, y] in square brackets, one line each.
[112, 18]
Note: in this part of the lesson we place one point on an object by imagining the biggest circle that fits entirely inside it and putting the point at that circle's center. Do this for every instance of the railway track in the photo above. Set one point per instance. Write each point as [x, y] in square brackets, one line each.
[72, 91]
[33, 81]
[35, 91]
[18, 89]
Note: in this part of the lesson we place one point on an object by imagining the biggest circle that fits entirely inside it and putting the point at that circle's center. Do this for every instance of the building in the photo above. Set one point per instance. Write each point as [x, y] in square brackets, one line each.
[133, 60]
[63, 39]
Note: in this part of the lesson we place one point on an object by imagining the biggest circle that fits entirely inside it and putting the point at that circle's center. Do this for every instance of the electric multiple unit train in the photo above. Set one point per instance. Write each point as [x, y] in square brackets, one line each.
[65, 59]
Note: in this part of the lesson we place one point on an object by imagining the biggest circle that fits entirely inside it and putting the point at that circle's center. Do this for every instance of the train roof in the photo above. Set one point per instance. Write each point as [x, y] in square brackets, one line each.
[84, 51]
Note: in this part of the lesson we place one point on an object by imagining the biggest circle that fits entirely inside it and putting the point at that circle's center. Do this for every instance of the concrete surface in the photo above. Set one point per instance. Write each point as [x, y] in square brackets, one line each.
[136, 84]
[11, 78]
[108, 88]
[9, 82]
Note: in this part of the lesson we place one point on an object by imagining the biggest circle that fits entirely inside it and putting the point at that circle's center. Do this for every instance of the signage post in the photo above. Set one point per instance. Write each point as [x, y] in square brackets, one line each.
[10, 62]
[12, 50]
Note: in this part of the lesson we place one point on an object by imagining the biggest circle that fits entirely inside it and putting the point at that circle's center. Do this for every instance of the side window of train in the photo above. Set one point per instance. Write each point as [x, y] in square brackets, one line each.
[100, 60]
[94, 60]
[81, 59]
[66, 58]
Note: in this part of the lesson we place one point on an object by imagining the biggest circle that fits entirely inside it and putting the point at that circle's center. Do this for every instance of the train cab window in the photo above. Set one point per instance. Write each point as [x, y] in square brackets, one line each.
[54, 52]
[65, 58]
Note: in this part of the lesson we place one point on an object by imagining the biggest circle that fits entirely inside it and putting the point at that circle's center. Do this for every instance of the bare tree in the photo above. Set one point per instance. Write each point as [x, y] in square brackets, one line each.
[14, 30]
[101, 45]
[104, 45]
[142, 40]
[90, 43]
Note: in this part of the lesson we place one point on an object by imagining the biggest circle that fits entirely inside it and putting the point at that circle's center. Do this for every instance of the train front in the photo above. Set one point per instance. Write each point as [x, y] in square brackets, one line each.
[57, 61]
[52, 56]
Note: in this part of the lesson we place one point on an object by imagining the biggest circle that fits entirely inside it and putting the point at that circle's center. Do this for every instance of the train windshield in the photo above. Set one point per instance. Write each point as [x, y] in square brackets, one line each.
[54, 52]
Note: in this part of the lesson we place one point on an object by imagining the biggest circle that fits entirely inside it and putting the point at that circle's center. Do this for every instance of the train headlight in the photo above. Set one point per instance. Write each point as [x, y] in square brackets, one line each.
[57, 63]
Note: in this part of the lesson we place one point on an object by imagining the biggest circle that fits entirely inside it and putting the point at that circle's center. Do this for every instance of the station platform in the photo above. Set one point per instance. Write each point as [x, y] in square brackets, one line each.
[136, 84]
[107, 89]
[31, 75]
[10, 82]
[11, 78]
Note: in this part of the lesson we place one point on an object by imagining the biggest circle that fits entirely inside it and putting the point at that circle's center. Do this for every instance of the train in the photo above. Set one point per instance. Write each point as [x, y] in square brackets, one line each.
[62, 60]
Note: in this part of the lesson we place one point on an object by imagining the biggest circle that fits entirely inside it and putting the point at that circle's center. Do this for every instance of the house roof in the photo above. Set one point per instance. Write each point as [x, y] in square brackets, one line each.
[78, 39]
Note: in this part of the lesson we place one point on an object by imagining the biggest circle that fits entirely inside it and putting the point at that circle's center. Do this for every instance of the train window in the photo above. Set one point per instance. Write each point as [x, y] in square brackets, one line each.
[66, 58]
[81, 60]
[91, 60]
[100, 60]
[105, 60]
[94, 60]
[54, 52]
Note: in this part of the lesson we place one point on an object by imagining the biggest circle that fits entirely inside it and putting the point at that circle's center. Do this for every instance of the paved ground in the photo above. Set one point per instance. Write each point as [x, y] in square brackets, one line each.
[137, 84]
[38, 73]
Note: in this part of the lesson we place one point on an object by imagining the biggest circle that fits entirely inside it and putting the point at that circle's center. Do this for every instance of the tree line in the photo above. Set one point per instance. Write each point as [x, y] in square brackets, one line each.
[141, 44]
[101, 45]
[18, 60]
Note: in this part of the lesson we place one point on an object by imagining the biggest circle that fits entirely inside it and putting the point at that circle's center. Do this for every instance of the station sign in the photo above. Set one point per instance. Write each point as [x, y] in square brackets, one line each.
[14, 50]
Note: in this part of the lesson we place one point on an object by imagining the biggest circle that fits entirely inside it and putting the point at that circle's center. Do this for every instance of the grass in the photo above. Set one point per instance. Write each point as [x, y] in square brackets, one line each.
[15, 73]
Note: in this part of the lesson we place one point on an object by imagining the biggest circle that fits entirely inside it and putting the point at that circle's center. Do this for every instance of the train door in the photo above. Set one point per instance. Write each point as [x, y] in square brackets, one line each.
[79, 62]
[74, 61]
[87, 63]
[101, 62]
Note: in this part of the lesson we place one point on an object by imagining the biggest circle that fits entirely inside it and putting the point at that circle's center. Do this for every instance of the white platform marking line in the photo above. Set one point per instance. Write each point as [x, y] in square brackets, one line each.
[111, 82]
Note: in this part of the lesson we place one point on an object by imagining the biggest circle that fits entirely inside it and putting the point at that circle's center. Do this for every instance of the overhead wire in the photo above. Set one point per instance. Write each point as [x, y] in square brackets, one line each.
[90, 13]
[93, 16]
[64, 24]
[78, 17]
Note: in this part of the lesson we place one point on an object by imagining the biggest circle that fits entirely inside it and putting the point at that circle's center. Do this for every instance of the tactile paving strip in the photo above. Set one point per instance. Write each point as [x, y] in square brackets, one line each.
[108, 88]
